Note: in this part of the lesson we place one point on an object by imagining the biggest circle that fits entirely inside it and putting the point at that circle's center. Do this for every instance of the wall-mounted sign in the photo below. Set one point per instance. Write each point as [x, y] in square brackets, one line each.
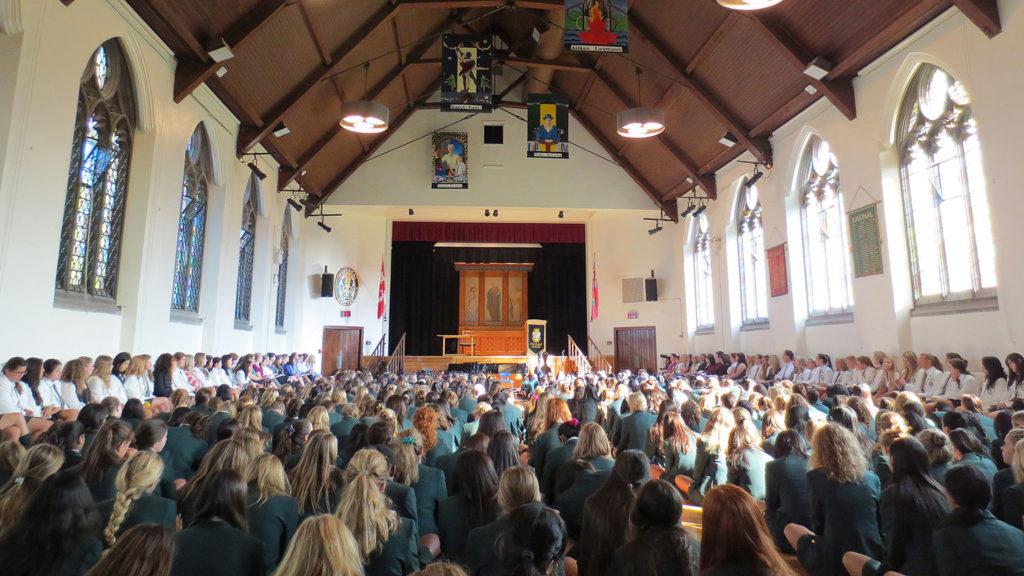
[777, 276]
[346, 286]
[865, 241]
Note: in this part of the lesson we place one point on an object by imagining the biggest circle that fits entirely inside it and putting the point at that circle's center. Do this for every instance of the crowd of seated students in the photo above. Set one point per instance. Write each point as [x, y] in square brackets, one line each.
[796, 466]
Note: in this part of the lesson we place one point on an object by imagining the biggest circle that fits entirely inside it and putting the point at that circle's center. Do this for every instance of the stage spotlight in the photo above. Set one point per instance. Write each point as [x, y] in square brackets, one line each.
[753, 179]
[324, 226]
[700, 210]
[487, 213]
[495, 212]
[655, 230]
[688, 210]
[561, 214]
[411, 212]
[295, 205]
[256, 170]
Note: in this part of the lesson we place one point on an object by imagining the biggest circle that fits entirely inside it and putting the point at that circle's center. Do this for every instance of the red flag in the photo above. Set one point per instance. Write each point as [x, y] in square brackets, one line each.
[593, 307]
[380, 293]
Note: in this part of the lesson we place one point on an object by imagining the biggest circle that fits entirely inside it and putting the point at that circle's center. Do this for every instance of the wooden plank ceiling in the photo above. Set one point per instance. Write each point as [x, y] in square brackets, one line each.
[714, 71]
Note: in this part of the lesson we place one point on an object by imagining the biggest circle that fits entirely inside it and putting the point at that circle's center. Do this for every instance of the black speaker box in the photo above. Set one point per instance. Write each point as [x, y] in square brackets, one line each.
[651, 289]
[326, 285]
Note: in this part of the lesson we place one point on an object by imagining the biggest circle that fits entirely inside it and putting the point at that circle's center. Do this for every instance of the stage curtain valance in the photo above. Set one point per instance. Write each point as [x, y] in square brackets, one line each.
[488, 232]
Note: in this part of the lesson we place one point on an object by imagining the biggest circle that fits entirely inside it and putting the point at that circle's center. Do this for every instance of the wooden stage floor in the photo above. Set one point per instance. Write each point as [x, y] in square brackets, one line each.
[414, 364]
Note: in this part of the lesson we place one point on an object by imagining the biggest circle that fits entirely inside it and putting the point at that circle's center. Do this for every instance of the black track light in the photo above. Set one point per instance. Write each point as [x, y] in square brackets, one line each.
[495, 212]
[700, 210]
[295, 205]
[411, 212]
[487, 213]
[325, 227]
[753, 179]
[655, 230]
[688, 210]
[561, 214]
[256, 170]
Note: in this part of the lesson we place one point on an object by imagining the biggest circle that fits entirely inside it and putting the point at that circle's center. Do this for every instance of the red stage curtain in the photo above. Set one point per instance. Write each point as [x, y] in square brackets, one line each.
[488, 232]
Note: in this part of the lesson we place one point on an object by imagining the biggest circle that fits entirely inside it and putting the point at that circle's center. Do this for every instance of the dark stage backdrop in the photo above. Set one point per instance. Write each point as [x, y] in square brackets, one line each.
[425, 291]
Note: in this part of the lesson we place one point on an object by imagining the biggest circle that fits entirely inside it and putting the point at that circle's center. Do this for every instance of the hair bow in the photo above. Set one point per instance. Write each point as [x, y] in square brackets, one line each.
[574, 422]
[408, 440]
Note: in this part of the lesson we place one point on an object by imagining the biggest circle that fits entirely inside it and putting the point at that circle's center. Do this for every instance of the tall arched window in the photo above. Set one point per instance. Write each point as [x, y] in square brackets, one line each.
[825, 259]
[188, 264]
[282, 273]
[90, 239]
[246, 248]
[753, 268]
[702, 274]
[949, 231]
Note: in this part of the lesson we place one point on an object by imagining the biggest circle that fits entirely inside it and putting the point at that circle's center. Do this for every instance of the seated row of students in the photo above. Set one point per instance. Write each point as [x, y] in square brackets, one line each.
[424, 470]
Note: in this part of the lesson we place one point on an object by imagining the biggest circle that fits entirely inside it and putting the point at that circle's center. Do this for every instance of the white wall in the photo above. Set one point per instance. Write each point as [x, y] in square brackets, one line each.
[993, 73]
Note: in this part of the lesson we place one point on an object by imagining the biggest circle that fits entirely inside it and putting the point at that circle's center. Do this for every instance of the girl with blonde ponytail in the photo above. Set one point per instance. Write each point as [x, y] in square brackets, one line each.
[273, 513]
[323, 546]
[428, 483]
[387, 543]
[135, 503]
[38, 464]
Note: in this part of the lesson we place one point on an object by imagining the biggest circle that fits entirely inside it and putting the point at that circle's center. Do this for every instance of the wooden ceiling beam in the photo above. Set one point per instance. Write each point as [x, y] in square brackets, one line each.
[169, 27]
[191, 73]
[984, 14]
[67, 2]
[760, 148]
[917, 15]
[838, 91]
[707, 182]
[325, 55]
[712, 42]
[534, 4]
[251, 135]
[515, 84]
[563, 65]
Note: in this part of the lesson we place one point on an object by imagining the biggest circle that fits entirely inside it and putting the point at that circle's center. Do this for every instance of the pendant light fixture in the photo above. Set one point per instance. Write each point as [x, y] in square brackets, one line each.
[365, 116]
[748, 4]
[640, 122]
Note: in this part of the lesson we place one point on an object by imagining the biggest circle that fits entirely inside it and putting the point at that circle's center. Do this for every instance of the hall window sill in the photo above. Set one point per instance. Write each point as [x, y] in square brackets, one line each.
[984, 304]
[185, 317]
[243, 326]
[705, 331]
[755, 326]
[77, 301]
[830, 319]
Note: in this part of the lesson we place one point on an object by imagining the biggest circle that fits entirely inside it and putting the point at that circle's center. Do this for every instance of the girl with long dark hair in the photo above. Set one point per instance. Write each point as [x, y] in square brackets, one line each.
[533, 542]
[658, 545]
[787, 494]
[107, 453]
[471, 505]
[606, 512]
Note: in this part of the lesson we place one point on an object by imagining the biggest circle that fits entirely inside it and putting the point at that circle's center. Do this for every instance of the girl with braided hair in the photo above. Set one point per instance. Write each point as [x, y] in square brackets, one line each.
[135, 502]
[387, 543]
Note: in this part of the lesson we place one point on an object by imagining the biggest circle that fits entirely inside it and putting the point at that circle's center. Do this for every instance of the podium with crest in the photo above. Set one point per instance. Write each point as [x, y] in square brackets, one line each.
[536, 337]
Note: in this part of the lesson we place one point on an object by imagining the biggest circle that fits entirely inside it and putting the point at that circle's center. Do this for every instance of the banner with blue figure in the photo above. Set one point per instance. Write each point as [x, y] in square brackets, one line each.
[450, 160]
[466, 75]
[547, 121]
[596, 26]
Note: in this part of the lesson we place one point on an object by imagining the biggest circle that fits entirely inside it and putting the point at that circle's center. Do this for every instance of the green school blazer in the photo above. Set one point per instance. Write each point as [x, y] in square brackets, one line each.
[399, 555]
[454, 527]
[570, 503]
[844, 518]
[709, 470]
[1013, 505]
[984, 465]
[554, 460]
[787, 497]
[481, 548]
[445, 445]
[750, 476]
[82, 558]
[634, 433]
[148, 509]
[186, 451]
[215, 548]
[273, 523]
[514, 419]
[544, 443]
[104, 488]
[431, 490]
[271, 419]
[987, 547]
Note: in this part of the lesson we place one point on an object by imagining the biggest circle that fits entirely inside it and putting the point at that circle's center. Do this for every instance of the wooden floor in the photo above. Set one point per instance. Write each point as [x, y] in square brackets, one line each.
[440, 363]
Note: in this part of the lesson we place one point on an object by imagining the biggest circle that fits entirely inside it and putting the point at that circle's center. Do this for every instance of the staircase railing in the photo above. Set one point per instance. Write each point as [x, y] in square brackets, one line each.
[577, 360]
[598, 360]
[378, 356]
[396, 364]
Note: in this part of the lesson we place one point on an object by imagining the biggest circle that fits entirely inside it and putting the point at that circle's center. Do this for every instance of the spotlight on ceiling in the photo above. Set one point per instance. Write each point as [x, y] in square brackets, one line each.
[748, 4]
[561, 214]
[219, 50]
[700, 210]
[818, 68]
[221, 72]
[365, 117]
[256, 170]
[689, 210]
[487, 213]
[281, 130]
[753, 179]
[325, 227]
[655, 230]
[295, 205]
[495, 212]
[728, 140]
[810, 89]
[411, 212]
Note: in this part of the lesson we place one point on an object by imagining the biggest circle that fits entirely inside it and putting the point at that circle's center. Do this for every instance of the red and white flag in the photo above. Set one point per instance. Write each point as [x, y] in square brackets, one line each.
[380, 293]
[594, 302]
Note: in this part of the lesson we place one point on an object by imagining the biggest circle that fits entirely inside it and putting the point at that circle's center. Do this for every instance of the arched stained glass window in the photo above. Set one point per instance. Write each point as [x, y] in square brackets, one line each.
[949, 230]
[188, 263]
[753, 267]
[825, 246]
[282, 274]
[92, 228]
[246, 249]
[702, 275]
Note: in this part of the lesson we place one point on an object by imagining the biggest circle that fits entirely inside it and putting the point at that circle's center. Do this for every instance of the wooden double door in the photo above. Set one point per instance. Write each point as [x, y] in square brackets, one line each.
[343, 348]
[636, 348]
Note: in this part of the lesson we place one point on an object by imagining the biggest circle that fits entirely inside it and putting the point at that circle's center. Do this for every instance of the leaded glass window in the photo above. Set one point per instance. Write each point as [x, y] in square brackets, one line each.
[246, 247]
[702, 274]
[93, 223]
[949, 230]
[827, 267]
[282, 277]
[188, 262]
[753, 268]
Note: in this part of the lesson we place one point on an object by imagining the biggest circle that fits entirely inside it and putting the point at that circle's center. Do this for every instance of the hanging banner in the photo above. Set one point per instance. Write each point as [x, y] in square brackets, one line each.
[450, 160]
[777, 275]
[547, 126]
[865, 241]
[596, 26]
[466, 80]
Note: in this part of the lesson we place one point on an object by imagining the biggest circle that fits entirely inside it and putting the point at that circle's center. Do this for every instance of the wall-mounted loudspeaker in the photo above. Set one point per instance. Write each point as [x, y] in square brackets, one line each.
[651, 289]
[326, 284]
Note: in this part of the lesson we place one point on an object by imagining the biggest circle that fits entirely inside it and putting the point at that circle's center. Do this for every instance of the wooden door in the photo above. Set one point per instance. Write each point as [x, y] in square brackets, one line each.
[636, 348]
[343, 347]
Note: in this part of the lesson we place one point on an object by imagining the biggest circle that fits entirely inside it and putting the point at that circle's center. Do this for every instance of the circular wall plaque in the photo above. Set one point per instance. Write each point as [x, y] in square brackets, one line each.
[346, 286]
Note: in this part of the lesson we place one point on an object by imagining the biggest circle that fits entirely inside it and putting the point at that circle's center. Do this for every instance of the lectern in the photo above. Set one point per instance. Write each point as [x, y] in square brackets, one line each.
[536, 337]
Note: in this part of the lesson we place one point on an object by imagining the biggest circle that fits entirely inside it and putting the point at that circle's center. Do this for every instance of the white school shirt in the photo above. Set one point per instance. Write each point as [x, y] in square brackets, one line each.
[880, 378]
[786, 372]
[138, 387]
[807, 376]
[825, 375]
[934, 383]
[179, 380]
[754, 373]
[968, 384]
[992, 396]
[868, 375]
[70, 393]
[218, 376]
[240, 379]
[916, 382]
[28, 402]
[10, 403]
[200, 375]
[99, 389]
[49, 391]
